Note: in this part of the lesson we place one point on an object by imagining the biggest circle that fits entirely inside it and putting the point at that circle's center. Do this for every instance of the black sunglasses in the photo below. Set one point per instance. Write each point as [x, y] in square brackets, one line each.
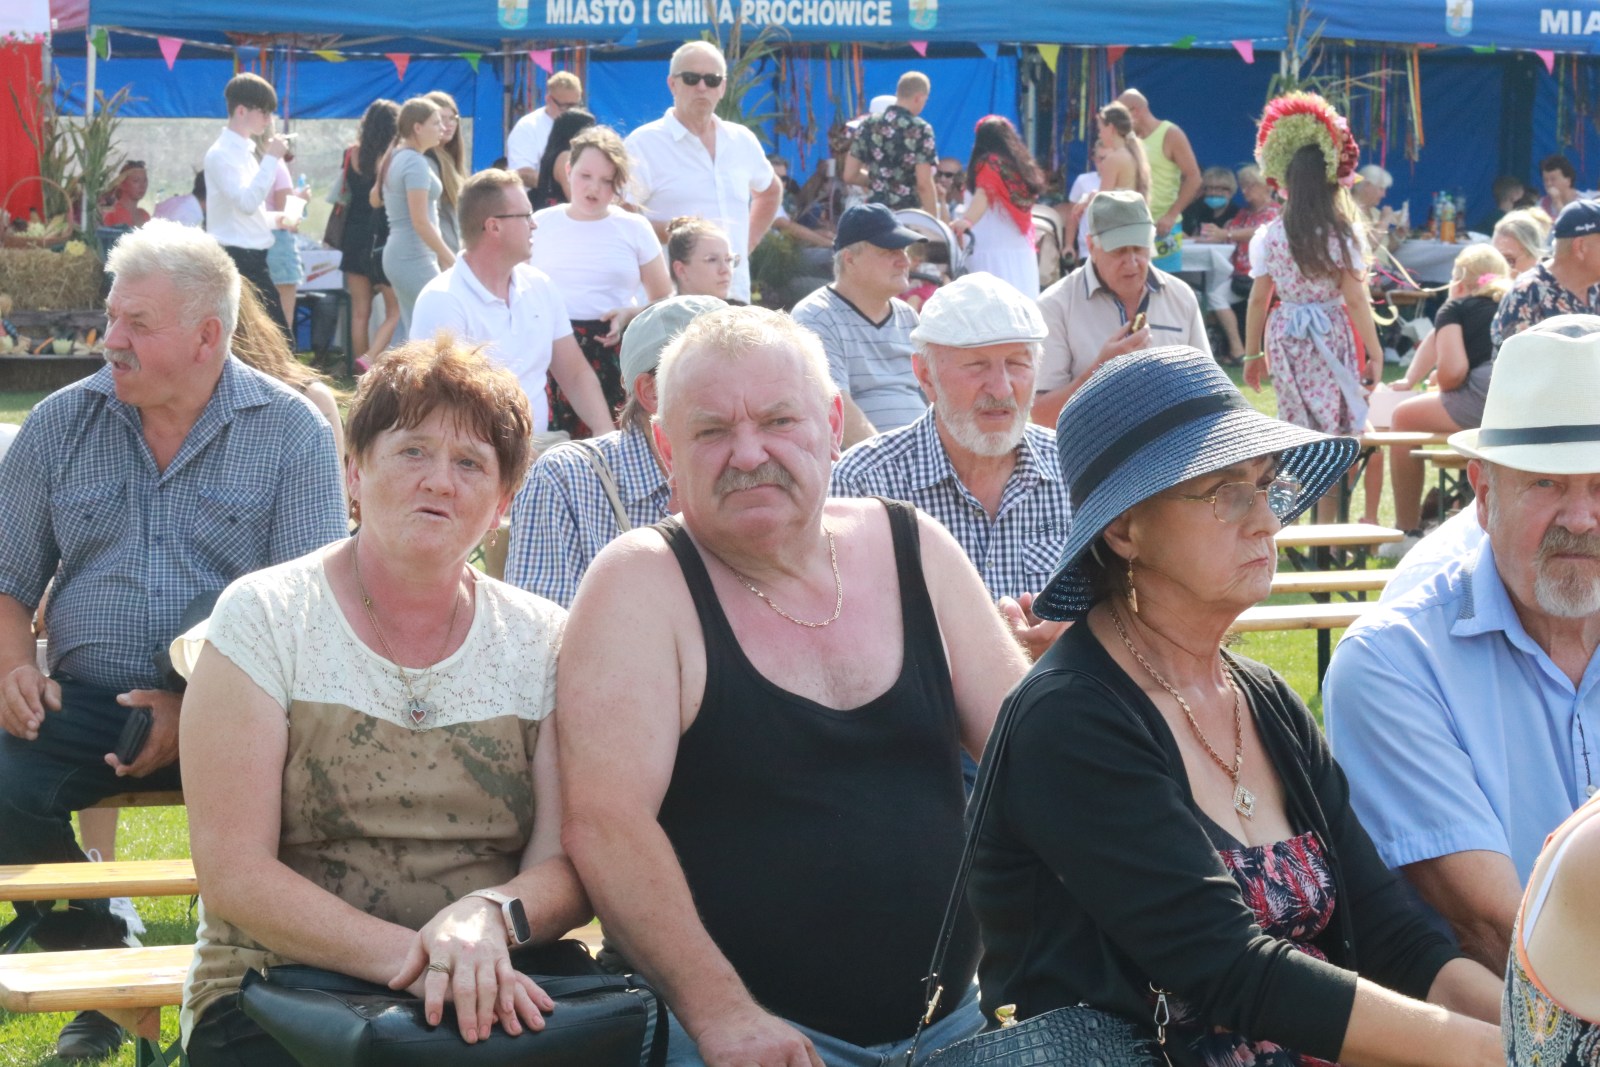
[693, 77]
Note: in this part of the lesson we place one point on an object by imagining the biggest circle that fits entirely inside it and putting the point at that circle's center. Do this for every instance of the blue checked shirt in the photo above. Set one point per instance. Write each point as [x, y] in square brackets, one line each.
[254, 483]
[1016, 551]
[562, 518]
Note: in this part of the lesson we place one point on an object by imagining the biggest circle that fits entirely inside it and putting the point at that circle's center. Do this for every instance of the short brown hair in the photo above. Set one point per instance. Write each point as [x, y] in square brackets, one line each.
[912, 83]
[481, 198]
[413, 381]
[602, 139]
[250, 90]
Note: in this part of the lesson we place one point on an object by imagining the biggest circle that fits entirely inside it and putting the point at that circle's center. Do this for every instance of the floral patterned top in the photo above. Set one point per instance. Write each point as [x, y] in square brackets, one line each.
[1249, 218]
[1289, 888]
[1537, 296]
[891, 145]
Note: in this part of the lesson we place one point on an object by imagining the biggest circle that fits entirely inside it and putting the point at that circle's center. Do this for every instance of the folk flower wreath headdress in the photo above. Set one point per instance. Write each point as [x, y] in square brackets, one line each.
[1295, 120]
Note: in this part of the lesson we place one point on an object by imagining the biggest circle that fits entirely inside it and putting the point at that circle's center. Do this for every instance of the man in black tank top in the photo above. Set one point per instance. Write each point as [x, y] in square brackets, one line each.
[763, 791]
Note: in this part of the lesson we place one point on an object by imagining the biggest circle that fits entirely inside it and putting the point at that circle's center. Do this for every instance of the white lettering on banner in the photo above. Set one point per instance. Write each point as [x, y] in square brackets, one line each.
[1567, 22]
[622, 13]
[1593, 25]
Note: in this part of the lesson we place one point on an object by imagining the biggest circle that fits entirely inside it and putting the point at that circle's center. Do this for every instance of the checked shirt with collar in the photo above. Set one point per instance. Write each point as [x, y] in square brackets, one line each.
[1017, 550]
[255, 483]
[562, 518]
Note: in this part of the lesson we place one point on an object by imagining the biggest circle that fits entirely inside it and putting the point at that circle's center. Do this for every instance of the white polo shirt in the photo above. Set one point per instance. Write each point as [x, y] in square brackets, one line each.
[674, 175]
[520, 334]
[237, 184]
[526, 142]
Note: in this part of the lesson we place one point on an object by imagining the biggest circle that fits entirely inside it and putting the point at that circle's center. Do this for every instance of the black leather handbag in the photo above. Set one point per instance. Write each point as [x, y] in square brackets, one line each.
[326, 1019]
[1077, 1035]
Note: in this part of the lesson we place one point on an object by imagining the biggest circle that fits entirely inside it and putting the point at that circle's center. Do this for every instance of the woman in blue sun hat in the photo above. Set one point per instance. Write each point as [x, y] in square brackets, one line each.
[1169, 837]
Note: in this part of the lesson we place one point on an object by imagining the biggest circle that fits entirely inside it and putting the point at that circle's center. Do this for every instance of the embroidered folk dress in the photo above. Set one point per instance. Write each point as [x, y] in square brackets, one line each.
[1310, 343]
[394, 817]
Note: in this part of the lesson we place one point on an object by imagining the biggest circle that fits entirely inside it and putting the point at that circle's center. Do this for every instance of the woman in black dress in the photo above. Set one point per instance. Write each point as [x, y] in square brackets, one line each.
[552, 187]
[365, 229]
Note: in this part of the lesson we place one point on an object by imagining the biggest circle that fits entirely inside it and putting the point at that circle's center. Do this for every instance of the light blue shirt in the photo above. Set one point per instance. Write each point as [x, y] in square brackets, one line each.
[1458, 732]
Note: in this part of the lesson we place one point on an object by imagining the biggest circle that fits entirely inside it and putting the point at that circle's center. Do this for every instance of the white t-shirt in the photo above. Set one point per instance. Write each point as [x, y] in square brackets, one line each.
[674, 175]
[520, 333]
[597, 263]
[184, 208]
[526, 142]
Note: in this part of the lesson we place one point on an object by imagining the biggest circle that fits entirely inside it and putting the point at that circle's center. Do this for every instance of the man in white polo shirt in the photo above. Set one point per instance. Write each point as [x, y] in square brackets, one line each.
[526, 143]
[493, 297]
[689, 162]
[237, 184]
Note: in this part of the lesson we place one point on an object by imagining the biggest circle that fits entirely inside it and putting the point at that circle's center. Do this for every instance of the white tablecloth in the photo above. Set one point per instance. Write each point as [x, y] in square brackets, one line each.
[1215, 262]
[1427, 260]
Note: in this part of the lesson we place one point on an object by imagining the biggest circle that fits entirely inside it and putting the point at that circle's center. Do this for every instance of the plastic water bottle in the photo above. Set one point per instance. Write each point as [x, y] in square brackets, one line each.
[1447, 219]
[302, 187]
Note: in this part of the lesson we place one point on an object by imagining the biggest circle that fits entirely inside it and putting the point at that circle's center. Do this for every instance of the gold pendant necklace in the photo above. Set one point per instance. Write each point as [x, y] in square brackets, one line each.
[838, 590]
[1244, 801]
[417, 708]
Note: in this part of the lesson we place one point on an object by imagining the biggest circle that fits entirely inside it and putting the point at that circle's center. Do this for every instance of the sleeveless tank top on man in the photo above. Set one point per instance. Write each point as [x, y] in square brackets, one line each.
[1165, 177]
[820, 845]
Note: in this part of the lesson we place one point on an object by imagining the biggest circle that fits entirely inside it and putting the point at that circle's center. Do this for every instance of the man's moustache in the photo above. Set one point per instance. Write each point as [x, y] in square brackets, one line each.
[123, 357]
[733, 480]
[1560, 541]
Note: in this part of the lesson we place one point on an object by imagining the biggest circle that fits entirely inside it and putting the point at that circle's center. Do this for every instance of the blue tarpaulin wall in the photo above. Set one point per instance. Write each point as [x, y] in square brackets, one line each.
[624, 93]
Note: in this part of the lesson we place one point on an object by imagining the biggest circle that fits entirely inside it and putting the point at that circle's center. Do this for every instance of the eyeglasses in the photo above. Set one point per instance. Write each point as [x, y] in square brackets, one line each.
[692, 78]
[566, 105]
[946, 175]
[1233, 501]
[731, 262]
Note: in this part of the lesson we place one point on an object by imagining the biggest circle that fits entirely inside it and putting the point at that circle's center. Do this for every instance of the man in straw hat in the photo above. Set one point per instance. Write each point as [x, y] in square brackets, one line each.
[581, 494]
[973, 461]
[776, 863]
[1467, 714]
[1115, 303]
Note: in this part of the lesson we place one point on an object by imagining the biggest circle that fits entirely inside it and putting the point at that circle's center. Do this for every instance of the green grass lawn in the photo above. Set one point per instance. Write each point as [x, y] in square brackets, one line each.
[163, 833]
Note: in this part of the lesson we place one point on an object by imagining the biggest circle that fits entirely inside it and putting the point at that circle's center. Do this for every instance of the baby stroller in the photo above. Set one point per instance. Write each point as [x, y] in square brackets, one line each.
[943, 252]
[1052, 244]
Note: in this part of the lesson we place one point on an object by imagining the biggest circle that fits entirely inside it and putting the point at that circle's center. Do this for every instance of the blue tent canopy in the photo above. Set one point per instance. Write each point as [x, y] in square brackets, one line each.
[1503, 24]
[489, 22]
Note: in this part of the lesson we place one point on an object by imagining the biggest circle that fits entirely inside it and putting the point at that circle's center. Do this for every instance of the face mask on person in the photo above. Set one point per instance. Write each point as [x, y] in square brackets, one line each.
[1216, 203]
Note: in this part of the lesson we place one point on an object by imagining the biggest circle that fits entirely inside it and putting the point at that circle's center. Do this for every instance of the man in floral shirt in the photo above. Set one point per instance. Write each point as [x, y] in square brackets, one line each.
[1568, 283]
[893, 155]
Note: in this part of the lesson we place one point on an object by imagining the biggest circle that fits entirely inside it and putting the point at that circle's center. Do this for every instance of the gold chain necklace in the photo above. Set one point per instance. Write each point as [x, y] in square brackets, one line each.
[1244, 801]
[838, 589]
[417, 708]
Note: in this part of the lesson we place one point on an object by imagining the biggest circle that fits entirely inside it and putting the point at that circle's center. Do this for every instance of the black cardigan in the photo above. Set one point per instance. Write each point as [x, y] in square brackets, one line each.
[1095, 876]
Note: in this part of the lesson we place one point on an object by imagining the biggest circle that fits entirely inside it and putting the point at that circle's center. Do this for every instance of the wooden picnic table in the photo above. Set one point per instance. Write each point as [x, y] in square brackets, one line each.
[84, 881]
[1336, 535]
[1317, 582]
[1371, 441]
[128, 985]
[1321, 617]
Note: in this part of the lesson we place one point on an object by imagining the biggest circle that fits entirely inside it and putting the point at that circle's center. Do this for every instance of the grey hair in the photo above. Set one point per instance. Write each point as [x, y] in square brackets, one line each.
[694, 48]
[1377, 176]
[733, 333]
[1525, 228]
[191, 259]
[838, 256]
[1250, 174]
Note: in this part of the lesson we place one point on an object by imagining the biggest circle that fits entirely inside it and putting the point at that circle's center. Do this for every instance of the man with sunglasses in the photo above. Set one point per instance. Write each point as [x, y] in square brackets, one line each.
[948, 181]
[493, 296]
[690, 162]
[526, 142]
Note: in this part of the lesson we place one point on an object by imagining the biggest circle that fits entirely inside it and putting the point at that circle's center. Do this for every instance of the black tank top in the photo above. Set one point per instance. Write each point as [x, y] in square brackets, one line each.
[821, 845]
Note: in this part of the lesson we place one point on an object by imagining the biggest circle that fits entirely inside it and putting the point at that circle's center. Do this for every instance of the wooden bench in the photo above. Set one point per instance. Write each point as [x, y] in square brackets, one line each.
[1455, 490]
[1332, 546]
[1317, 582]
[129, 985]
[157, 799]
[1320, 617]
[86, 881]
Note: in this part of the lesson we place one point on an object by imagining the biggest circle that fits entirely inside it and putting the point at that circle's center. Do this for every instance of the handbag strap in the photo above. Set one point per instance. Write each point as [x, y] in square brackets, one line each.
[608, 482]
[982, 794]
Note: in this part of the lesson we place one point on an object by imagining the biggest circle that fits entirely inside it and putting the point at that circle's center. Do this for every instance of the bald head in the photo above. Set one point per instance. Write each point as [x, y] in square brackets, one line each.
[1134, 101]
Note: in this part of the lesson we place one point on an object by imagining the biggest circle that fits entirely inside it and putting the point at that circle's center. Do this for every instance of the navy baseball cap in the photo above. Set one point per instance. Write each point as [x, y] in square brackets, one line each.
[1577, 219]
[876, 224]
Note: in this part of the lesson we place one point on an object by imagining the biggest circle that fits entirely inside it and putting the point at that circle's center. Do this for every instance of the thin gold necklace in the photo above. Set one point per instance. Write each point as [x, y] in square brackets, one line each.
[838, 589]
[417, 707]
[1244, 801]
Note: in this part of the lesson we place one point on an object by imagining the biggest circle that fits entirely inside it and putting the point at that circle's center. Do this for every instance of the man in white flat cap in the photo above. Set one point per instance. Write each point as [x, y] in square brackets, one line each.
[1467, 712]
[974, 461]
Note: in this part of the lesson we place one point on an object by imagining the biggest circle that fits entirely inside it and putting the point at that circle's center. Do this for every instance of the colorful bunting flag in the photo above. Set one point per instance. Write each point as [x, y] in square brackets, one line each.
[833, 50]
[544, 59]
[1483, 49]
[401, 61]
[1115, 52]
[170, 47]
[1051, 54]
[102, 43]
[990, 50]
[472, 59]
[1549, 58]
[629, 39]
[919, 47]
[1186, 41]
[329, 54]
[1246, 50]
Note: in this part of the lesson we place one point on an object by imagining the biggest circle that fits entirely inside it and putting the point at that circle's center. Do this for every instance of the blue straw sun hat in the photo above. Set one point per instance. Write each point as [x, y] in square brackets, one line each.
[1149, 420]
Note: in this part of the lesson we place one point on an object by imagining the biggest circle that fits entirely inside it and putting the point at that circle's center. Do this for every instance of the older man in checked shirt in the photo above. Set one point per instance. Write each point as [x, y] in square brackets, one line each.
[974, 461]
[161, 478]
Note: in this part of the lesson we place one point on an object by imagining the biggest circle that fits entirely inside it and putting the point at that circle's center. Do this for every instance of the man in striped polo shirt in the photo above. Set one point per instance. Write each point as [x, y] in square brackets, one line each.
[865, 329]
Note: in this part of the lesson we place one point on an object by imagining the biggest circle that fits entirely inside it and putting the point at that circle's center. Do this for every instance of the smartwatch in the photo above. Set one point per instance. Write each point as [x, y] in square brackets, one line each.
[518, 932]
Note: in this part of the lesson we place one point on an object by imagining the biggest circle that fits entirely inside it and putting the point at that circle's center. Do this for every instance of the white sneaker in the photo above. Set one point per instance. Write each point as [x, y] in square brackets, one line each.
[123, 909]
[1394, 551]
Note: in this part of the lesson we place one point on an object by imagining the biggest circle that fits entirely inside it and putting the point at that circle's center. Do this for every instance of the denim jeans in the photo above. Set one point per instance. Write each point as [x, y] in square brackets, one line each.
[43, 782]
[962, 1022]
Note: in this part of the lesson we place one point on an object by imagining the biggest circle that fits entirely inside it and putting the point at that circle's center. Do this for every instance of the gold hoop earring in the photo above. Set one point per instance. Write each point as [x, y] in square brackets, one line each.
[494, 537]
[1133, 594]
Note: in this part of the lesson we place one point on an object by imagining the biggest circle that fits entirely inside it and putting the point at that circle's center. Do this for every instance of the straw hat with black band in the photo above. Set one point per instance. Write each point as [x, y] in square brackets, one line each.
[1147, 421]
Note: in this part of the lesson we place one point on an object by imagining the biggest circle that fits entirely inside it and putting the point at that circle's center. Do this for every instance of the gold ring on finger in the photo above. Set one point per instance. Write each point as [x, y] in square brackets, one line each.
[442, 968]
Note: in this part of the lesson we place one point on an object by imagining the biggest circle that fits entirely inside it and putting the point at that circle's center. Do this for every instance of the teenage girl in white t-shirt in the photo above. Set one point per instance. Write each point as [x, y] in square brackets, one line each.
[599, 256]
